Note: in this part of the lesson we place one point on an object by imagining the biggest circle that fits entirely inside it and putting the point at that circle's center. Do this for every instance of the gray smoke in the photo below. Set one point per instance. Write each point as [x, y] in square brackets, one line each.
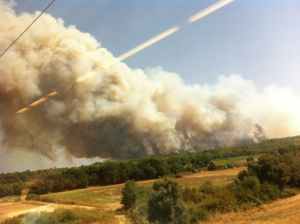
[120, 112]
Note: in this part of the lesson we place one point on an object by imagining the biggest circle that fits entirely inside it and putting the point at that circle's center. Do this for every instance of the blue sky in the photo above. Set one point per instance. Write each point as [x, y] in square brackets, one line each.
[259, 39]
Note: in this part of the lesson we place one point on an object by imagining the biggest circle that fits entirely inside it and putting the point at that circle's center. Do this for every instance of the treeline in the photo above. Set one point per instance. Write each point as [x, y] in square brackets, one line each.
[272, 176]
[112, 172]
[15, 177]
[11, 189]
[13, 183]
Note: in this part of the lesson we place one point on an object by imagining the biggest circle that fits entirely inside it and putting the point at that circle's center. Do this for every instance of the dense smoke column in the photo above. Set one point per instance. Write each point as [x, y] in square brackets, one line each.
[119, 112]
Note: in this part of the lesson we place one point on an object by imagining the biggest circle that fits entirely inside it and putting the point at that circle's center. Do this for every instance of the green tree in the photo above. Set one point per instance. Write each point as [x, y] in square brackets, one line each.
[129, 194]
[277, 168]
[166, 204]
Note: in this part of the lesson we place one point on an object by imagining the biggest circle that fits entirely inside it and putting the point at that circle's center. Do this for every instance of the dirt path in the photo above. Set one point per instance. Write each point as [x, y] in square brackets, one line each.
[283, 211]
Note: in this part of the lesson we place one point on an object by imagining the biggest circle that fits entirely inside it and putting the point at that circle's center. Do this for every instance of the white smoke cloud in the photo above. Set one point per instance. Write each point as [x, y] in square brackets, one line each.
[119, 112]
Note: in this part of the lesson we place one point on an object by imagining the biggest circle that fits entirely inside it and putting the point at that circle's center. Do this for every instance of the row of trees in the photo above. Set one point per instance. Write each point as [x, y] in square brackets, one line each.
[16, 177]
[111, 172]
[60, 180]
[11, 189]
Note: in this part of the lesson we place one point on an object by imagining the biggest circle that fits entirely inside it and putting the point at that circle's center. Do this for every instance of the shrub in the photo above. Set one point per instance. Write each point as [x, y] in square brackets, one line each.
[33, 197]
[178, 176]
[166, 205]
[247, 190]
[70, 216]
[269, 191]
[207, 187]
[250, 159]
[129, 194]
[211, 166]
[198, 214]
[281, 168]
[230, 165]
[191, 195]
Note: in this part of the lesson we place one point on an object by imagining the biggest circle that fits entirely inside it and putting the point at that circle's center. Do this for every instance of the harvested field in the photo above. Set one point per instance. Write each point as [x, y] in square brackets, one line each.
[283, 211]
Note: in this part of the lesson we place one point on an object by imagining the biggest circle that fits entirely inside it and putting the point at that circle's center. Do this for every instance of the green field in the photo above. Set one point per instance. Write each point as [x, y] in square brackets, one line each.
[107, 197]
[235, 161]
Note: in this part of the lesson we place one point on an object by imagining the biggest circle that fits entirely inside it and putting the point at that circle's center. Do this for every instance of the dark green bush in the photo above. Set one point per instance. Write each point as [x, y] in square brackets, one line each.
[269, 191]
[281, 168]
[165, 205]
[129, 194]
[211, 166]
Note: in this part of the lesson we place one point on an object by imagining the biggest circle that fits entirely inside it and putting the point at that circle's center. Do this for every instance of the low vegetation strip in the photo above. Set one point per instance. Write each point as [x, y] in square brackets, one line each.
[67, 216]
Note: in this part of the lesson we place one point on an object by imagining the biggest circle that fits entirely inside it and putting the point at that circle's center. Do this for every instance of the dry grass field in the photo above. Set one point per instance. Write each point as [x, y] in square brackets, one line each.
[283, 211]
[12, 209]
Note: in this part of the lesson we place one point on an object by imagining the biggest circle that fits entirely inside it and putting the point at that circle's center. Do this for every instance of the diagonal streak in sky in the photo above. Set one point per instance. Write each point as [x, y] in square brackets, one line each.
[199, 15]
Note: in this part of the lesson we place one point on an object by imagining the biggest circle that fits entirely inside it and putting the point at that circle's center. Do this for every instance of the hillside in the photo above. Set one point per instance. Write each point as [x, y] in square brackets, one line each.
[107, 198]
[283, 211]
[103, 198]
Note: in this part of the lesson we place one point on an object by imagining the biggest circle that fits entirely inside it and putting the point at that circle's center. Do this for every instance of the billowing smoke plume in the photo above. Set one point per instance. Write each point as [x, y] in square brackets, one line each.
[119, 112]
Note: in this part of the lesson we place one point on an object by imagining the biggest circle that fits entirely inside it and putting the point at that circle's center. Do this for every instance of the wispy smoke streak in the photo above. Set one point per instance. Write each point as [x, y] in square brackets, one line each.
[209, 10]
[150, 42]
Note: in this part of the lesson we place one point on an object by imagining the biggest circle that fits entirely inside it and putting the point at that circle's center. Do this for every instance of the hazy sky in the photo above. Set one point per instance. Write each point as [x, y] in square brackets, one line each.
[259, 39]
